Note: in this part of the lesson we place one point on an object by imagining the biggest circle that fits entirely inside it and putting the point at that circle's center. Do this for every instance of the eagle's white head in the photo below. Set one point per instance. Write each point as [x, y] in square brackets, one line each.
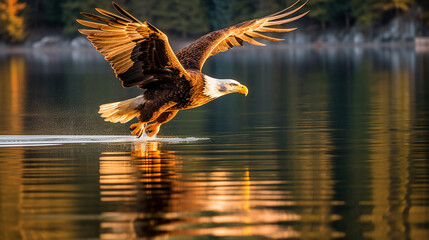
[215, 88]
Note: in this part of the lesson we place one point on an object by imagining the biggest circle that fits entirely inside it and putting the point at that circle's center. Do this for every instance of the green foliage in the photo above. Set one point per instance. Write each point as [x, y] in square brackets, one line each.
[191, 17]
[267, 7]
[71, 10]
[365, 14]
[195, 17]
[320, 10]
[43, 13]
[243, 10]
[144, 9]
[220, 13]
[182, 17]
[51, 12]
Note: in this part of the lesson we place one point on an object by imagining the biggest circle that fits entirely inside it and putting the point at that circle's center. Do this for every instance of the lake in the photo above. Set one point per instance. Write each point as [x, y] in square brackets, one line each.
[329, 143]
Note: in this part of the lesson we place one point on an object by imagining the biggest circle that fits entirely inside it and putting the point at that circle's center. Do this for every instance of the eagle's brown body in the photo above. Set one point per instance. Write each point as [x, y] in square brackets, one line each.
[141, 56]
[186, 94]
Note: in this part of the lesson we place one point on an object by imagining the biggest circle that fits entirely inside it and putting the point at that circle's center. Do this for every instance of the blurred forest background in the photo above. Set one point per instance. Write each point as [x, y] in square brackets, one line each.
[25, 19]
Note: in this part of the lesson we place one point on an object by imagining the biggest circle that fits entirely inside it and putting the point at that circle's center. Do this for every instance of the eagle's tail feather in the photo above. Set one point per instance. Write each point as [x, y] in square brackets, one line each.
[122, 111]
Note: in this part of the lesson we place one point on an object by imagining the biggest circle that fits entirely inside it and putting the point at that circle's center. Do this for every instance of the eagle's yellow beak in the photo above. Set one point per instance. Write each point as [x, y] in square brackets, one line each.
[242, 89]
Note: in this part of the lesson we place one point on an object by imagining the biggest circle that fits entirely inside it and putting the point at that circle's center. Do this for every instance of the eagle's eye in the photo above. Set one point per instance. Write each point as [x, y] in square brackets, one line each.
[233, 84]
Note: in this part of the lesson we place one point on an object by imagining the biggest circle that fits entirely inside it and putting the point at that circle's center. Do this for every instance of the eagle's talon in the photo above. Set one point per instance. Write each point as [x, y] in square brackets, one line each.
[137, 129]
[135, 125]
[152, 129]
[135, 132]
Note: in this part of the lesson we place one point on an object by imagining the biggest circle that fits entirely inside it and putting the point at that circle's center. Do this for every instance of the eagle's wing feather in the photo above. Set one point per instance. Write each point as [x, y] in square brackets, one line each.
[138, 52]
[195, 54]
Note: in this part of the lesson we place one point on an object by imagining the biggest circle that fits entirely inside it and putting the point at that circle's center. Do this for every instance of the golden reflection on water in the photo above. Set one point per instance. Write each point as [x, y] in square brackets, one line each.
[12, 94]
[152, 192]
[312, 145]
[170, 203]
[392, 108]
[31, 205]
[10, 193]
[142, 178]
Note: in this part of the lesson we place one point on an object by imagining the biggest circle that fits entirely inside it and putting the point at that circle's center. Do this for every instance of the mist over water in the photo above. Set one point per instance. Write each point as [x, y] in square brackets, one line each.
[329, 143]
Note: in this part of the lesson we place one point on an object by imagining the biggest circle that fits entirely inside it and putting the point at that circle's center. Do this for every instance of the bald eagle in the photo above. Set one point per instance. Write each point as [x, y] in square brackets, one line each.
[141, 56]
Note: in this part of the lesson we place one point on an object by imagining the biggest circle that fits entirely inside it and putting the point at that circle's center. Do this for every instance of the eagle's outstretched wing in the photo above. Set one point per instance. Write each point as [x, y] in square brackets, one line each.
[195, 54]
[138, 52]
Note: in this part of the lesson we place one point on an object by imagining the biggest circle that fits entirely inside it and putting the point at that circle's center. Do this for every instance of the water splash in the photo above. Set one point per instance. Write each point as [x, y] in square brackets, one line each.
[52, 140]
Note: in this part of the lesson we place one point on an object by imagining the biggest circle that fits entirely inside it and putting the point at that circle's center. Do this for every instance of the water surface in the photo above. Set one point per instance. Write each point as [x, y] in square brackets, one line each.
[330, 143]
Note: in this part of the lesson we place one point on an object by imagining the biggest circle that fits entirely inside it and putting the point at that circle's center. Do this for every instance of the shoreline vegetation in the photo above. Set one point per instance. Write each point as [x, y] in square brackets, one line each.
[66, 48]
[33, 24]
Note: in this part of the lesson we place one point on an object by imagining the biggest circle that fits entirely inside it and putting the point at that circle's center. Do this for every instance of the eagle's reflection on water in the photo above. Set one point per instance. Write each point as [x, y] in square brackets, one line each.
[335, 147]
[140, 186]
[147, 193]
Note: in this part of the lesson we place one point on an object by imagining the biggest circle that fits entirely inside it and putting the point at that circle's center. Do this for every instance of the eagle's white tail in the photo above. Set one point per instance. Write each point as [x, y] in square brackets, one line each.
[122, 111]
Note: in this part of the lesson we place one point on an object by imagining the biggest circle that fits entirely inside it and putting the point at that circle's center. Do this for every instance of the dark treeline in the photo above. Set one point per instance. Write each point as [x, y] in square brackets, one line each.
[185, 18]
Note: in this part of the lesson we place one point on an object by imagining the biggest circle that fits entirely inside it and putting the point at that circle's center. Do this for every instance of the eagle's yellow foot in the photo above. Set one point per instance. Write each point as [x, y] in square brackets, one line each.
[152, 129]
[137, 129]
